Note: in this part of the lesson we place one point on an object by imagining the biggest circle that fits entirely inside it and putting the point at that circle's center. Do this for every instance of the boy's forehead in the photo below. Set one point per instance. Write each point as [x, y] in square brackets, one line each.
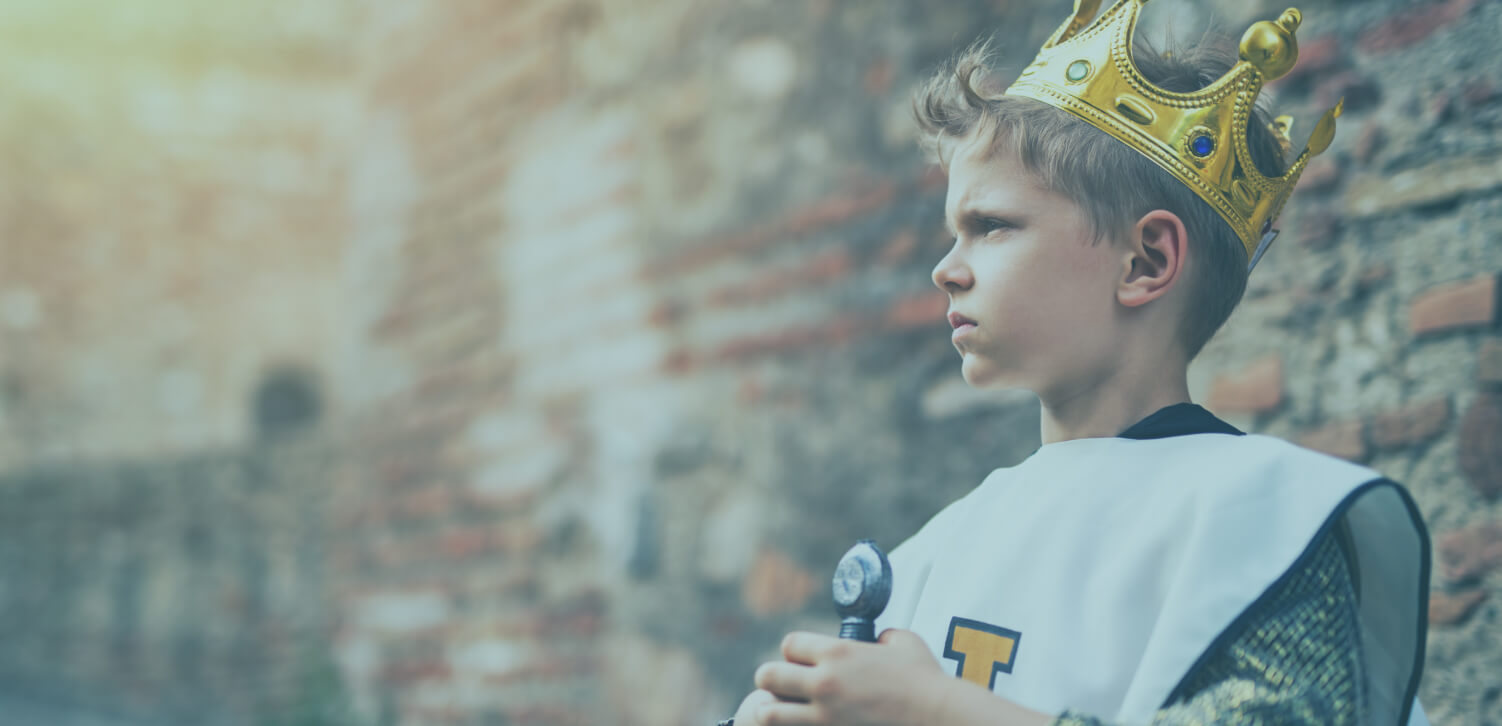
[981, 172]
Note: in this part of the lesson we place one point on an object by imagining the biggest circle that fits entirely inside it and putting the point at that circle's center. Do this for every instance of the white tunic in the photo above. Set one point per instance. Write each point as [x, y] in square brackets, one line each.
[1093, 576]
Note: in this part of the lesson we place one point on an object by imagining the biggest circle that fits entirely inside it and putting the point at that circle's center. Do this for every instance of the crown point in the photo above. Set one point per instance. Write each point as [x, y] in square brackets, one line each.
[1324, 131]
[1290, 19]
[1084, 12]
[1271, 47]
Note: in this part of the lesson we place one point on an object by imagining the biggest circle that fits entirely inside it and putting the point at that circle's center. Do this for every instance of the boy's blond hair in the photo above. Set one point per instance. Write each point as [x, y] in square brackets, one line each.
[1114, 184]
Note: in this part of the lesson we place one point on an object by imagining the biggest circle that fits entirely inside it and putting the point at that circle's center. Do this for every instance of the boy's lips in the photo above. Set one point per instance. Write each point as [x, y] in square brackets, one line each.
[957, 320]
[961, 325]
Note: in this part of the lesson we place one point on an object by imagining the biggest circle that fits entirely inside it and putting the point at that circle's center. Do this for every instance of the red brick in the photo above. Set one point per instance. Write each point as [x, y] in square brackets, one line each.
[459, 543]
[1318, 228]
[837, 330]
[1481, 444]
[932, 177]
[465, 542]
[625, 194]
[706, 251]
[1410, 425]
[1410, 26]
[776, 584]
[678, 362]
[751, 390]
[1448, 609]
[820, 215]
[1345, 439]
[394, 324]
[1471, 552]
[921, 310]
[1466, 304]
[1367, 144]
[412, 671]
[1373, 276]
[879, 76]
[1322, 174]
[666, 313]
[821, 268]
[496, 504]
[393, 471]
[1317, 57]
[1358, 91]
[582, 625]
[427, 503]
[1254, 389]
[841, 208]
[462, 377]
[1478, 93]
[1489, 363]
[899, 248]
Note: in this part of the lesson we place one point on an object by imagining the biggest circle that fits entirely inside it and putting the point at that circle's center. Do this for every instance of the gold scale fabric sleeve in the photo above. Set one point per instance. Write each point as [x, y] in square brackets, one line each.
[1297, 660]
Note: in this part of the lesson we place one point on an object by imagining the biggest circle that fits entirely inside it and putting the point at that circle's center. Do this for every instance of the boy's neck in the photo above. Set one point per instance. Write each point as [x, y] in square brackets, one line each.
[1106, 407]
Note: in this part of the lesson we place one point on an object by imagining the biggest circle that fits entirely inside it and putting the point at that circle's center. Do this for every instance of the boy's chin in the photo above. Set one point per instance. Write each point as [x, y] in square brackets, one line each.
[982, 373]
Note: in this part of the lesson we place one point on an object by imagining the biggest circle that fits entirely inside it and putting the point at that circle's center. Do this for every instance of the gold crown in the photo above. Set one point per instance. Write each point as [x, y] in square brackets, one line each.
[1199, 137]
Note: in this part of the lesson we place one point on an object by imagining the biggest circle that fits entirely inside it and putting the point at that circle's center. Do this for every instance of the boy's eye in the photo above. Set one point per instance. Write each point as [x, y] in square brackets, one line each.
[991, 224]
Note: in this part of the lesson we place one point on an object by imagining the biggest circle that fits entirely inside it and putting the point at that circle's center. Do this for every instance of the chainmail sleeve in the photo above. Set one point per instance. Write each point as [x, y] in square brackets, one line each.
[1297, 661]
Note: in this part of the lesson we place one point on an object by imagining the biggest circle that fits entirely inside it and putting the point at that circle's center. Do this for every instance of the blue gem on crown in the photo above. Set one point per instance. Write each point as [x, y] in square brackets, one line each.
[1202, 145]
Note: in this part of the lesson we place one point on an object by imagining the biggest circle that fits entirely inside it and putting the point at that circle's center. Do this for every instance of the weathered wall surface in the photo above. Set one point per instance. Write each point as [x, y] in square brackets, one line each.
[686, 349]
[171, 223]
[172, 230]
[627, 325]
[168, 592]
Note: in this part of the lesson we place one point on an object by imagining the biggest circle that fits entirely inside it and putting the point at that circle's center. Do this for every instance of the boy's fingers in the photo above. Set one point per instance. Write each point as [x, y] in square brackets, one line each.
[897, 636]
[787, 714]
[809, 648]
[787, 681]
[746, 712]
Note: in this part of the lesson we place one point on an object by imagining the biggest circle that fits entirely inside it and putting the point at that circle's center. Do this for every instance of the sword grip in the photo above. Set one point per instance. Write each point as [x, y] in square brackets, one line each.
[862, 629]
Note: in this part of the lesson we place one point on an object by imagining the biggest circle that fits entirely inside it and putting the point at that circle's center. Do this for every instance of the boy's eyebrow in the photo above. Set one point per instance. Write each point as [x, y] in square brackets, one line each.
[965, 215]
[969, 215]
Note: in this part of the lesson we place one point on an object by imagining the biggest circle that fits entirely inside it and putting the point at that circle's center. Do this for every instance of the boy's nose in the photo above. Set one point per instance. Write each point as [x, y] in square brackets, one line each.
[952, 275]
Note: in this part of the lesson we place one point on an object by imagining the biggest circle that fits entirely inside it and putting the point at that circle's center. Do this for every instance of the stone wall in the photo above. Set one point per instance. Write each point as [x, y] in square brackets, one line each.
[673, 344]
[183, 591]
[626, 332]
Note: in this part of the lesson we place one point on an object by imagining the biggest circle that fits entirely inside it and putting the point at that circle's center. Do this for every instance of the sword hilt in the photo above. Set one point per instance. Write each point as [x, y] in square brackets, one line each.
[862, 585]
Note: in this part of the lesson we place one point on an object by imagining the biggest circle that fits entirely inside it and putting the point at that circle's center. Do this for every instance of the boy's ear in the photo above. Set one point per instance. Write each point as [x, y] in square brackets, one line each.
[1153, 259]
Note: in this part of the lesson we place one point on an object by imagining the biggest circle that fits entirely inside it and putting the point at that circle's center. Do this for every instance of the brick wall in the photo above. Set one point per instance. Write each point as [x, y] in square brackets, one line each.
[665, 302]
[624, 320]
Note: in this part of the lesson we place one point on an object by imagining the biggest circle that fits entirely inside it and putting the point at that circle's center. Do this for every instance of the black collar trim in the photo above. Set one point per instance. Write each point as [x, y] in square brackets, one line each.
[1180, 419]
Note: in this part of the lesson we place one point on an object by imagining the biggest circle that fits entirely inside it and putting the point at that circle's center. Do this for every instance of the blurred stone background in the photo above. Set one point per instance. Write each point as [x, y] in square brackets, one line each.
[533, 361]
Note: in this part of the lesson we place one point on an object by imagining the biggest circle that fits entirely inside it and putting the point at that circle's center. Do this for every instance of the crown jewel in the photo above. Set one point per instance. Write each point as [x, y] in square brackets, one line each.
[1086, 68]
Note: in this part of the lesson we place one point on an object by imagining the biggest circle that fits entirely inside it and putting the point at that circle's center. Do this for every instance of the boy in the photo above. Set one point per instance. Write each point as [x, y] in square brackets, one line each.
[1149, 562]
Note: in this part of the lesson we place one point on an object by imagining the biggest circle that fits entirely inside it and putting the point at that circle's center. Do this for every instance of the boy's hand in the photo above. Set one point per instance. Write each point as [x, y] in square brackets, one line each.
[745, 715]
[831, 681]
